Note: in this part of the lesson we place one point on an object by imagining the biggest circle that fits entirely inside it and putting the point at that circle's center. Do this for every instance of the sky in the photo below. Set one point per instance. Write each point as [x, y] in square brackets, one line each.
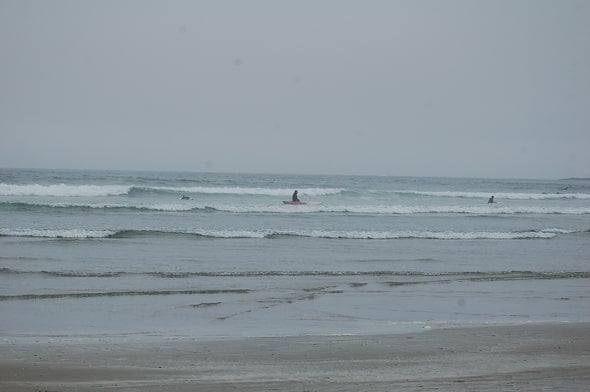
[471, 88]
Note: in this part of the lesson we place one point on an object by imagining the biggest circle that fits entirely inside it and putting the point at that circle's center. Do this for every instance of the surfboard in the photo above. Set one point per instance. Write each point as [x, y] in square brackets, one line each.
[293, 202]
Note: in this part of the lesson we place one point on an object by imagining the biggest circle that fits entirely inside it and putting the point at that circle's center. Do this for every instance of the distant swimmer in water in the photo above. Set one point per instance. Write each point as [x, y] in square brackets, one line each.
[295, 198]
[185, 197]
[491, 200]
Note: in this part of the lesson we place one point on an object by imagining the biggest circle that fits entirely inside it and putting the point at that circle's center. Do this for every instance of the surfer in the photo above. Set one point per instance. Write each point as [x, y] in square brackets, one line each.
[295, 198]
[491, 200]
[185, 197]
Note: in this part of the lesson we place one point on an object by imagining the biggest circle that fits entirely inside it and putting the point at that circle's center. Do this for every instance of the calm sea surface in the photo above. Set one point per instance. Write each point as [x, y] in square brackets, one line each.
[119, 255]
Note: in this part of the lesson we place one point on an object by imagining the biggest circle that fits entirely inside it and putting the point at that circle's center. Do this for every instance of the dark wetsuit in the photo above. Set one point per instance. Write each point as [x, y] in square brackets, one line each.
[295, 197]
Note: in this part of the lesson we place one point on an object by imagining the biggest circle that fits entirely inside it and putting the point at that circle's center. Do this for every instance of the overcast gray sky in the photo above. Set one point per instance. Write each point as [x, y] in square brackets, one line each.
[429, 88]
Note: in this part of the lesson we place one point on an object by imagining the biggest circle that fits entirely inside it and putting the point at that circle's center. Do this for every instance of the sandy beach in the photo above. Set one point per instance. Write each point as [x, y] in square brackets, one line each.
[540, 357]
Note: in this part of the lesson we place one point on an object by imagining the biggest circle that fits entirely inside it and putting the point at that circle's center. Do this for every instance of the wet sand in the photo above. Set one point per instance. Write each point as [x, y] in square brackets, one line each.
[540, 357]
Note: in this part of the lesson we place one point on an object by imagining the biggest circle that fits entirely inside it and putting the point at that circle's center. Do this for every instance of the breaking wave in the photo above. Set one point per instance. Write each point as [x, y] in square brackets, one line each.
[279, 208]
[274, 234]
[89, 190]
[61, 190]
[250, 191]
[56, 233]
[500, 195]
[64, 190]
[479, 275]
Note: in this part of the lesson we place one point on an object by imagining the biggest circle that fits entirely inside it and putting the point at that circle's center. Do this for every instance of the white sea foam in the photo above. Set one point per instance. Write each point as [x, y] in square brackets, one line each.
[63, 190]
[443, 235]
[56, 233]
[171, 207]
[113, 190]
[500, 195]
[378, 235]
[251, 191]
[403, 209]
[487, 209]
[231, 233]
[333, 234]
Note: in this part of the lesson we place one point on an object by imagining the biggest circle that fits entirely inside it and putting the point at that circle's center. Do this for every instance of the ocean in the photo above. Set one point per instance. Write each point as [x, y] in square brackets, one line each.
[120, 256]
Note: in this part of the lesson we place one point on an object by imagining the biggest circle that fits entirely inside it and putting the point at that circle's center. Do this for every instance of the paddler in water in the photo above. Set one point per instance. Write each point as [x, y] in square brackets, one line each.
[295, 198]
[491, 200]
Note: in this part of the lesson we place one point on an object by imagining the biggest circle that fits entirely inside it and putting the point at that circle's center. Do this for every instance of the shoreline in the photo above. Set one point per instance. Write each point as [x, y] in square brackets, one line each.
[520, 357]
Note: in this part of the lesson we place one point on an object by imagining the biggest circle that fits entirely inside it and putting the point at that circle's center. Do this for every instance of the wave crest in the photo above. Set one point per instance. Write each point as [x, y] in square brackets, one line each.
[500, 195]
[279, 192]
[56, 233]
[279, 208]
[63, 190]
[276, 234]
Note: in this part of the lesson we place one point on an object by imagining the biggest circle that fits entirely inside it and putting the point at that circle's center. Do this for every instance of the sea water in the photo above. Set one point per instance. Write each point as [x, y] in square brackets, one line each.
[120, 255]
